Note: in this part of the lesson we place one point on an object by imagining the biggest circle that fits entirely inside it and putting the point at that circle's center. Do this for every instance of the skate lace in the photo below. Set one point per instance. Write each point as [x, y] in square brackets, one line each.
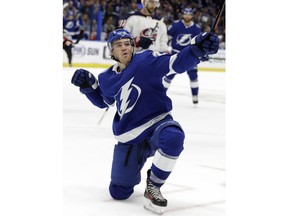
[154, 191]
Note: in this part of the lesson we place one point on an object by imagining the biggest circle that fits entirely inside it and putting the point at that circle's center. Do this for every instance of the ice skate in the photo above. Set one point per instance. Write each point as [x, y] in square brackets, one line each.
[155, 202]
[195, 99]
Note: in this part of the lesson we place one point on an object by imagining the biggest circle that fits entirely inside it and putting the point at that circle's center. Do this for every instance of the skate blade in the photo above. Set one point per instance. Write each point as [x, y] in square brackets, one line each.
[154, 208]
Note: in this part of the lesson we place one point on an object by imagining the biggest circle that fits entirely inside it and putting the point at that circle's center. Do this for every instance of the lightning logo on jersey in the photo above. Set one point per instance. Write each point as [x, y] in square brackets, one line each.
[129, 95]
[183, 39]
[182, 35]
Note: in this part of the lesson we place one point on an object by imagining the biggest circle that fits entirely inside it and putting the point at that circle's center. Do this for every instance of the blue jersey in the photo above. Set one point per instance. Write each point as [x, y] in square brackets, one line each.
[72, 27]
[182, 35]
[140, 97]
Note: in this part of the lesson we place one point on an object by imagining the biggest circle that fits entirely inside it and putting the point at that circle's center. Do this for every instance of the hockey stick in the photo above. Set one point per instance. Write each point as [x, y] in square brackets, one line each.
[153, 30]
[214, 25]
[104, 113]
[217, 17]
[216, 58]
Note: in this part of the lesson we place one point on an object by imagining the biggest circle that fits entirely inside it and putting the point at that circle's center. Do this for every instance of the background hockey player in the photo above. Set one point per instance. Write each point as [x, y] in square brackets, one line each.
[182, 32]
[72, 29]
[68, 44]
[148, 30]
[143, 124]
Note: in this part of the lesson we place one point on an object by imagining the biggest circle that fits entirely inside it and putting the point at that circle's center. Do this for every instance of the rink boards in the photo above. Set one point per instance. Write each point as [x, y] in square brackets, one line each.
[95, 54]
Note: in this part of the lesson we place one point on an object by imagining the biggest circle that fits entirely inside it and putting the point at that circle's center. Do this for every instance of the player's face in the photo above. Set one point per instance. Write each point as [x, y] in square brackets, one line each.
[123, 50]
[187, 17]
[151, 6]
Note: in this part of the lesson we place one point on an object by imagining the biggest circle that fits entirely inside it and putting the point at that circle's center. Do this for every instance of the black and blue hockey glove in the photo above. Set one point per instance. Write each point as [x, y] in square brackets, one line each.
[85, 80]
[144, 42]
[204, 44]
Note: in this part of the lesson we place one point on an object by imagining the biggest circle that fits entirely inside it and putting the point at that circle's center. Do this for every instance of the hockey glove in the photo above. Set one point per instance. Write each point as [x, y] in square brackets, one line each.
[205, 43]
[85, 80]
[144, 42]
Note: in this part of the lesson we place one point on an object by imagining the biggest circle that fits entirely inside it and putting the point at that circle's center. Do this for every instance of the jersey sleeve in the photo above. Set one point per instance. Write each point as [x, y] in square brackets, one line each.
[171, 30]
[183, 60]
[163, 38]
[128, 23]
[162, 63]
[96, 98]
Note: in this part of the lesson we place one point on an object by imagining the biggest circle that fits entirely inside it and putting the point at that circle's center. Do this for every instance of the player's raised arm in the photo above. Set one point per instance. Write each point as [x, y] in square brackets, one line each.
[201, 45]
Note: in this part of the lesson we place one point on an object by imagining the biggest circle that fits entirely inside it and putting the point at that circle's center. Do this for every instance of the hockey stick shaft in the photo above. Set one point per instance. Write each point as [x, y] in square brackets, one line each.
[217, 58]
[103, 115]
[153, 30]
[217, 17]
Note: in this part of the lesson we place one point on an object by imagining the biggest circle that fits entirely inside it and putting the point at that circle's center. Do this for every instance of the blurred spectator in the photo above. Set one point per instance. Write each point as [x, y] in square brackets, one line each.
[108, 27]
[87, 8]
[177, 8]
[205, 12]
[85, 25]
[132, 8]
[116, 11]
[93, 33]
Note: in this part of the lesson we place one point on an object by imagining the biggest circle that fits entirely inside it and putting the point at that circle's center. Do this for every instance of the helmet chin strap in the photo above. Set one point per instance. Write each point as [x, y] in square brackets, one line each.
[113, 57]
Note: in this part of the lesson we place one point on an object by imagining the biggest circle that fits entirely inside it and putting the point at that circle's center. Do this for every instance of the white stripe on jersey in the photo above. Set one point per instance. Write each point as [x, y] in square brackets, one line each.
[132, 134]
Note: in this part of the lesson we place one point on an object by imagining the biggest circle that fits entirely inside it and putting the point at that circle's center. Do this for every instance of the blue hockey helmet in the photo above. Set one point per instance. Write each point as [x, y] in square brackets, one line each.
[187, 11]
[117, 35]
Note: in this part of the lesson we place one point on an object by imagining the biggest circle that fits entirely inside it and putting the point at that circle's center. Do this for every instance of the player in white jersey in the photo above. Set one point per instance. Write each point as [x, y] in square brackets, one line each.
[143, 124]
[148, 30]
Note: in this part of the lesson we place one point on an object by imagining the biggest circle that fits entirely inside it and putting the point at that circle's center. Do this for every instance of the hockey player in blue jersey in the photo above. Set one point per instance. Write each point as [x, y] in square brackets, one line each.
[182, 32]
[143, 124]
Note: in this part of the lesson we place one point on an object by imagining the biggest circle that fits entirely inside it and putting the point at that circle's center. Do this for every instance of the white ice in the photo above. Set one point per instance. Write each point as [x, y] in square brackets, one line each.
[196, 187]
